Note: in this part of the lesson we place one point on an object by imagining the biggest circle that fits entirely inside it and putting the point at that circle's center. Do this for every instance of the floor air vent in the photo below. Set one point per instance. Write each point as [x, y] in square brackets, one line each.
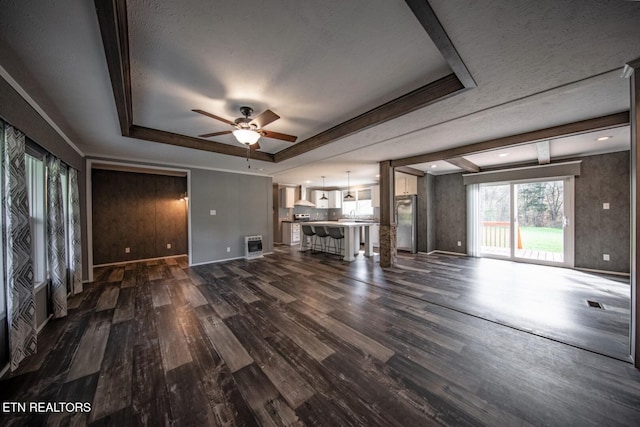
[595, 304]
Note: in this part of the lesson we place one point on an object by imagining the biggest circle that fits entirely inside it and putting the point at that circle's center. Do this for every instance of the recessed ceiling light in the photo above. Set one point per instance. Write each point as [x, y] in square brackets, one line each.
[604, 138]
[434, 166]
[503, 154]
[307, 182]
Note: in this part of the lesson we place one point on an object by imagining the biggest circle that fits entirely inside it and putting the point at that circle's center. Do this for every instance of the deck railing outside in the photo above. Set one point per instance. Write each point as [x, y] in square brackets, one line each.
[496, 234]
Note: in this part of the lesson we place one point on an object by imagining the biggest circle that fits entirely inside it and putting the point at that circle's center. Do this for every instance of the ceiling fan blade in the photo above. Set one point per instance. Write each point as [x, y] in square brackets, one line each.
[278, 135]
[265, 118]
[208, 135]
[213, 116]
[255, 146]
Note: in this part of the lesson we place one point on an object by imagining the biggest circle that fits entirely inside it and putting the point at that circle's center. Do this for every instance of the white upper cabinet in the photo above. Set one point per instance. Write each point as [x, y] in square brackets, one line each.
[335, 199]
[287, 197]
[316, 196]
[375, 196]
[406, 184]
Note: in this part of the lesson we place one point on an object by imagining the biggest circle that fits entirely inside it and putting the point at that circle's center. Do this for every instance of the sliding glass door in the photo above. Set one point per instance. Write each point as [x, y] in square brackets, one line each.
[527, 220]
[540, 221]
[495, 220]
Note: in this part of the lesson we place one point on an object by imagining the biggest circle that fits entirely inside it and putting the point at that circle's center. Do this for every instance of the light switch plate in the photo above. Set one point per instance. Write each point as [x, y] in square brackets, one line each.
[212, 212]
[605, 257]
[605, 206]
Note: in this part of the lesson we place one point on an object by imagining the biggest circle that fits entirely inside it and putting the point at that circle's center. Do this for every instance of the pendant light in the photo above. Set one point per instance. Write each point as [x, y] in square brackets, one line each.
[324, 196]
[348, 196]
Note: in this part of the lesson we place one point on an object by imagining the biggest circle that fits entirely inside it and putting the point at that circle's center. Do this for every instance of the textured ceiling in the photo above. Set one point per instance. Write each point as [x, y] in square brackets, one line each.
[537, 64]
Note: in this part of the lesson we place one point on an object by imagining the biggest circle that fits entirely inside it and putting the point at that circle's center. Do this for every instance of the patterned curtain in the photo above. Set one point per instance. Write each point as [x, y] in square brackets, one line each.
[75, 244]
[16, 246]
[56, 245]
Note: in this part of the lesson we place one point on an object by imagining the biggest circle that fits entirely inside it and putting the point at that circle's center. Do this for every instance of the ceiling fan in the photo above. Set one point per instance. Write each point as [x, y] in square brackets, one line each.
[247, 129]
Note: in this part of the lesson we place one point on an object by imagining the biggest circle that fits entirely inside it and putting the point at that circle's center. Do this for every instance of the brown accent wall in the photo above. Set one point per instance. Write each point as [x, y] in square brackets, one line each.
[140, 211]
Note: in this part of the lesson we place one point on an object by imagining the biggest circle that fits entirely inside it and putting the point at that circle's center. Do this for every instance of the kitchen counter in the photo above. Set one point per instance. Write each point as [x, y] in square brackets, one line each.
[351, 231]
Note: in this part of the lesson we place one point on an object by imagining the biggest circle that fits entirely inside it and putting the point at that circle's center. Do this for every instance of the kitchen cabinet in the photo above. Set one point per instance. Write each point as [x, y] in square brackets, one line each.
[406, 184]
[291, 233]
[335, 199]
[375, 196]
[287, 197]
[316, 197]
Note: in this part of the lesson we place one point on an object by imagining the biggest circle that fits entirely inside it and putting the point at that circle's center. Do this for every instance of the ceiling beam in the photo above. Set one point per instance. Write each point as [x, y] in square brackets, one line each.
[574, 128]
[419, 98]
[410, 171]
[544, 152]
[464, 164]
[156, 135]
[112, 18]
[431, 24]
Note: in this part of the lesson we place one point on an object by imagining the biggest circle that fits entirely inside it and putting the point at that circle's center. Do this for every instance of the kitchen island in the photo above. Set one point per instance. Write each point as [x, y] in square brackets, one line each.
[351, 232]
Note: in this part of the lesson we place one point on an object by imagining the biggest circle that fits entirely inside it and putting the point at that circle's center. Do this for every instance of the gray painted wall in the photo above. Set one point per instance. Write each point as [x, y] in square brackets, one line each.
[431, 212]
[243, 205]
[603, 179]
[427, 213]
[422, 214]
[450, 213]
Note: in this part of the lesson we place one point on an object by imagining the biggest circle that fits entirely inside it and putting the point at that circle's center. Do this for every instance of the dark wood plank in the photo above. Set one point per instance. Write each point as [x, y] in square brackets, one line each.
[380, 356]
[88, 357]
[226, 343]
[173, 346]
[113, 392]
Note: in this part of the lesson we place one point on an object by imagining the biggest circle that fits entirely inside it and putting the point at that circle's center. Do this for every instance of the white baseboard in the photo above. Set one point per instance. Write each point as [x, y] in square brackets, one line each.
[137, 260]
[593, 270]
[437, 251]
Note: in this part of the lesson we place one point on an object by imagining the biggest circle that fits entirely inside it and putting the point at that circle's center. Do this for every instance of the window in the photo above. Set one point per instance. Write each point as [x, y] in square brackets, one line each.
[37, 219]
[360, 205]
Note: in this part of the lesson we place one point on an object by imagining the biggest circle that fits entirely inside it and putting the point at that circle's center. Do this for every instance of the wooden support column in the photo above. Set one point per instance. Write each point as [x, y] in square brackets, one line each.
[632, 70]
[388, 228]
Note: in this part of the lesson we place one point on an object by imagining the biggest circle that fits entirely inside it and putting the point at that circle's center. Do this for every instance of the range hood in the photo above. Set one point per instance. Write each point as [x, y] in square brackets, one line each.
[302, 201]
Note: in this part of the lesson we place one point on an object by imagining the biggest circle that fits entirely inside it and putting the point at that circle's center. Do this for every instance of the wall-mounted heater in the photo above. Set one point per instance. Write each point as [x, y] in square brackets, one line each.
[253, 247]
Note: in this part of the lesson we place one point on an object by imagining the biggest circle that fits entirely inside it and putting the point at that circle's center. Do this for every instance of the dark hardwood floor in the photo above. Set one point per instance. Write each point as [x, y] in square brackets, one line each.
[300, 339]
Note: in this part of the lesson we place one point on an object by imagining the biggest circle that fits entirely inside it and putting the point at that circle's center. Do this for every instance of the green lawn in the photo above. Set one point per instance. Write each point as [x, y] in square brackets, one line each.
[541, 239]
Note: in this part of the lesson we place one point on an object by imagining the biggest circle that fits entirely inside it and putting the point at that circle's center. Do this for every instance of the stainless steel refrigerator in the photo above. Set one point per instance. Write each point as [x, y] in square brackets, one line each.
[406, 207]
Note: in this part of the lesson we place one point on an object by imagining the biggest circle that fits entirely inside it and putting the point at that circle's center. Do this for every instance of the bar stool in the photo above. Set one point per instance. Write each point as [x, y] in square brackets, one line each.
[336, 235]
[322, 233]
[308, 232]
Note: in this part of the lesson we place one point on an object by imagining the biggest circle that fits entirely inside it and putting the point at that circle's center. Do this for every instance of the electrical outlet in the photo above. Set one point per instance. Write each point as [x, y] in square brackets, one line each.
[605, 206]
[605, 257]
[228, 249]
[212, 212]
[459, 243]
[127, 250]
[168, 245]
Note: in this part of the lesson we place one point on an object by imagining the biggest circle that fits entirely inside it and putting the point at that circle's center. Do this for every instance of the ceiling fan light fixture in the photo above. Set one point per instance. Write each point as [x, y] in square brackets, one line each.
[246, 136]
